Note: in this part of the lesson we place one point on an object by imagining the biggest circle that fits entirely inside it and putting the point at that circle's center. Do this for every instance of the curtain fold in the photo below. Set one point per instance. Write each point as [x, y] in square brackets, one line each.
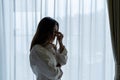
[2, 43]
[114, 16]
[84, 24]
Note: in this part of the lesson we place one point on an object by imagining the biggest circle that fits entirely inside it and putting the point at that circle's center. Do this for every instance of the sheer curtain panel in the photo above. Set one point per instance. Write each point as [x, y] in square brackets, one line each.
[85, 26]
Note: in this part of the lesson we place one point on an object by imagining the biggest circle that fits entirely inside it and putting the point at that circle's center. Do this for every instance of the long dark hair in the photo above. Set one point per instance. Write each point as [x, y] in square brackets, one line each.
[44, 31]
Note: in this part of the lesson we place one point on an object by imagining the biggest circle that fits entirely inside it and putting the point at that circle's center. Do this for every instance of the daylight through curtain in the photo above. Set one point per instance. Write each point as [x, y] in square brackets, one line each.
[84, 24]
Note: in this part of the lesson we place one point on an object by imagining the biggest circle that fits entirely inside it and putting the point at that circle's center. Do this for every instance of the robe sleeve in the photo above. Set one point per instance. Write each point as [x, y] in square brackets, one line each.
[62, 57]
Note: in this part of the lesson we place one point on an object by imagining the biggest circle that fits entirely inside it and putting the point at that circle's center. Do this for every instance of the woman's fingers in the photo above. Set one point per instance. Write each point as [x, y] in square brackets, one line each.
[59, 35]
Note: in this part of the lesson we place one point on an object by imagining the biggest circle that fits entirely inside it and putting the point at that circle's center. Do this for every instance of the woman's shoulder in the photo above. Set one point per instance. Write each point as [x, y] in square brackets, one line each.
[39, 50]
[36, 47]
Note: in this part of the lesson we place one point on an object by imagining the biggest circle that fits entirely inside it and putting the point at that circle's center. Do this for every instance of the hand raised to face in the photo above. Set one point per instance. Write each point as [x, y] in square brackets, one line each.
[59, 36]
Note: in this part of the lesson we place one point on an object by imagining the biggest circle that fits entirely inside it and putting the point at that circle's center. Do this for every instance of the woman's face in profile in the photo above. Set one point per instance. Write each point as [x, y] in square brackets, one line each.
[54, 33]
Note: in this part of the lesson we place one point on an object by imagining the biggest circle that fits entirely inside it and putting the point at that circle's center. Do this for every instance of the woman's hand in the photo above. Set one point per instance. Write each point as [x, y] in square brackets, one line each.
[60, 38]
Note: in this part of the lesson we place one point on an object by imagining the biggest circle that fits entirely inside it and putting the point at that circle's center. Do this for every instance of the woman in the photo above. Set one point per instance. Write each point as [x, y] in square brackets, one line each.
[45, 58]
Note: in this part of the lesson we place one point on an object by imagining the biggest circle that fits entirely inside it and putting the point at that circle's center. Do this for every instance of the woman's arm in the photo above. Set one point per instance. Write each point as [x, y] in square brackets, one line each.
[62, 52]
[62, 57]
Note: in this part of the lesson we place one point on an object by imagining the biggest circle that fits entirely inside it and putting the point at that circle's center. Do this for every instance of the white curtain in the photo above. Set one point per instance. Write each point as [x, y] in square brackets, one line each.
[84, 24]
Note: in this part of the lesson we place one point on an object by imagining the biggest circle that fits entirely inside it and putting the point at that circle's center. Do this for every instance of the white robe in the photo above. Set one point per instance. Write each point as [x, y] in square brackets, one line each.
[43, 61]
